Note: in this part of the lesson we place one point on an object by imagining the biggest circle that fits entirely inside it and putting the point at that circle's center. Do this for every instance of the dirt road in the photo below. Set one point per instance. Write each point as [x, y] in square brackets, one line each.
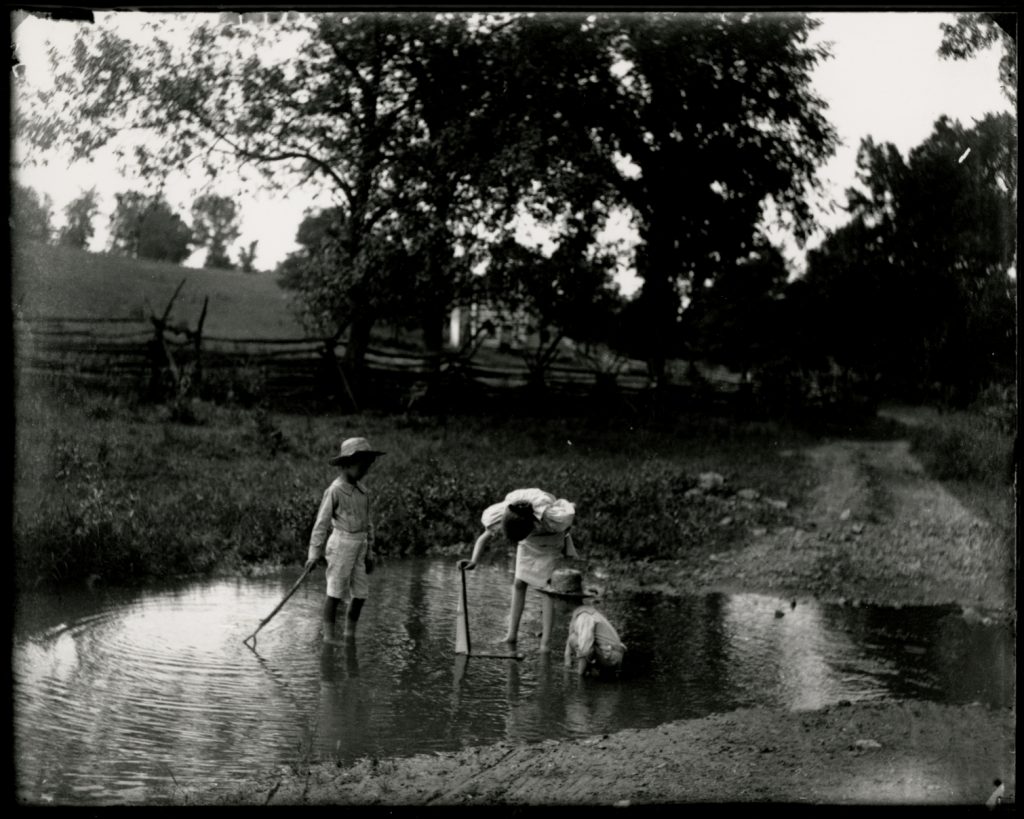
[874, 529]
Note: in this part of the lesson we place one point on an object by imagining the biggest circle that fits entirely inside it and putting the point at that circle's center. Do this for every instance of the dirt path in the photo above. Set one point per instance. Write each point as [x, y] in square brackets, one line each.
[876, 529]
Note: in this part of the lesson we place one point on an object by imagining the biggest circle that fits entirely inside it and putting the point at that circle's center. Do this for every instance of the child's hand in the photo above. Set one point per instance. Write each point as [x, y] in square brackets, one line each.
[466, 564]
[311, 564]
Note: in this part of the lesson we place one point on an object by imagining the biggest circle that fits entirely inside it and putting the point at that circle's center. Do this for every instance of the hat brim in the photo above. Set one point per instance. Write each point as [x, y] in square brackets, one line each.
[591, 594]
[337, 460]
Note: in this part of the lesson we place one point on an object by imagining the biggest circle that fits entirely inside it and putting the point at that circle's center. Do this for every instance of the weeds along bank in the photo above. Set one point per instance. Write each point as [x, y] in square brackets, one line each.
[107, 486]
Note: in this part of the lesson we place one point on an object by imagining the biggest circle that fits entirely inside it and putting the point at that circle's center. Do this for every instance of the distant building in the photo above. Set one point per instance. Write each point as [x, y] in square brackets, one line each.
[511, 328]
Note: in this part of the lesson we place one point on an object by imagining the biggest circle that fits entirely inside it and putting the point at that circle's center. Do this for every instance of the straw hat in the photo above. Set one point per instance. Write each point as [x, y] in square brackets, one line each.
[568, 584]
[352, 447]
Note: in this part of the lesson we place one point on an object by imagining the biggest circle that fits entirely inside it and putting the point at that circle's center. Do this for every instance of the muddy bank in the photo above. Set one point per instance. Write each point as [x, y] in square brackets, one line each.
[874, 529]
[906, 753]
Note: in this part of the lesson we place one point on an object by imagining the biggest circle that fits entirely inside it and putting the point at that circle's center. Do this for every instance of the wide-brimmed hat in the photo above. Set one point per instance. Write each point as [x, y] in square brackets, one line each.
[355, 447]
[568, 584]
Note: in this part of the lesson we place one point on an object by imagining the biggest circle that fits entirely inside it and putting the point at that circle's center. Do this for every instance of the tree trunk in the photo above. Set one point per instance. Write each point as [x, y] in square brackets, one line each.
[659, 269]
[354, 362]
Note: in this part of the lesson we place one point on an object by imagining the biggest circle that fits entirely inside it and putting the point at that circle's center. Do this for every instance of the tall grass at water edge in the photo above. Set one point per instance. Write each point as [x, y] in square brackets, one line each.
[105, 486]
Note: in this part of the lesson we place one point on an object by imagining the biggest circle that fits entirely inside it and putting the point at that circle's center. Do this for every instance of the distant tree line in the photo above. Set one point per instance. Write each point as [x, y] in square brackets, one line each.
[435, 134]
[142, 226]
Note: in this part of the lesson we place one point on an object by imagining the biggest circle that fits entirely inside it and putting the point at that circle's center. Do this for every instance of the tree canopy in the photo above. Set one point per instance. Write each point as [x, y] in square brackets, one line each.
[432, 133]
[31, 214]
[80, 214]
[916, 287]
[146, 227]
[215, 226]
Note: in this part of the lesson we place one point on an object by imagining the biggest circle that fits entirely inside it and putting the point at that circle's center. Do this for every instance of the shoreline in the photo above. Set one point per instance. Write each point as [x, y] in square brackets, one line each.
[888, 753]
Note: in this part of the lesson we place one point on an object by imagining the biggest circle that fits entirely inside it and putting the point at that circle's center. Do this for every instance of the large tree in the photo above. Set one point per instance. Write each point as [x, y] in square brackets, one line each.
[146, 227]
[714, 116]
[733, 319]
[31, 214]
[80, 214]
[916, 287]
[215, 226]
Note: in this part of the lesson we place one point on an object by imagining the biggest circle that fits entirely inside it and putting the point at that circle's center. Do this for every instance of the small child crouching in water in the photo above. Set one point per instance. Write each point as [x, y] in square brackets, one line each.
[593, 642]
[343, 534]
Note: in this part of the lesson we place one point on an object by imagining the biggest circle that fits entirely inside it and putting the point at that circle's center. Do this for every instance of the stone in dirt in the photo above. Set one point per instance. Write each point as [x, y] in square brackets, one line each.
[726, 521]
[867, 745]
[696, 492]
[777, 504]
[709, 481]
[844, 515]
[759, 531]
[749, 494]
[857, 528]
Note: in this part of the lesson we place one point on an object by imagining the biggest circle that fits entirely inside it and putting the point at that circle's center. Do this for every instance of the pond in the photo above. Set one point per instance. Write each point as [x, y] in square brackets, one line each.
[119, 696]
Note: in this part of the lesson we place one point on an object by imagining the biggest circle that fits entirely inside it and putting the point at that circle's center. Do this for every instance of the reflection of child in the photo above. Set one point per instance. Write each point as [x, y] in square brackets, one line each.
[593, 641]
[538, 523]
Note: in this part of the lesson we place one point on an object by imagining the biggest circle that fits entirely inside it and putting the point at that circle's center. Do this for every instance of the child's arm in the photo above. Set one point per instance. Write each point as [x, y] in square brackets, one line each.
[478, 547]
[568, 651]
[581, 664]
[321, 529]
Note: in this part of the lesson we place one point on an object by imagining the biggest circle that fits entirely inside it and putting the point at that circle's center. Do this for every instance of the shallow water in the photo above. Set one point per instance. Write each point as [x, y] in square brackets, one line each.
[119, 696]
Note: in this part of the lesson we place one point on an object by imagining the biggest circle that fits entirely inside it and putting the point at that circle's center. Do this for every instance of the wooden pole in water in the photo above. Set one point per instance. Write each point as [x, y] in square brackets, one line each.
[462, 645]
[277, 608]
[462, 619]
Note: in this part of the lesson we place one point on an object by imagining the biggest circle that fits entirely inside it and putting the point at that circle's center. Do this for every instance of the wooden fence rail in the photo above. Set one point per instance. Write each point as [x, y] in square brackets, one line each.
[160, 355]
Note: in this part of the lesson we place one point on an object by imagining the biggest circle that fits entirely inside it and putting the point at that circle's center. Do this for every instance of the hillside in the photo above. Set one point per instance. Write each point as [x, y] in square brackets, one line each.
[68, 283]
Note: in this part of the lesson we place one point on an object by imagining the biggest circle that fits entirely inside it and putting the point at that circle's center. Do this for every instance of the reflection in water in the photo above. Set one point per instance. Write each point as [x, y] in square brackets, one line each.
[345, 708]
[118, 695]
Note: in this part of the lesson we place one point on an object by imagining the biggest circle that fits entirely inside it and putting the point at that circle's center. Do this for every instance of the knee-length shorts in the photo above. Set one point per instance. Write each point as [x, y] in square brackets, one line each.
[346, 565]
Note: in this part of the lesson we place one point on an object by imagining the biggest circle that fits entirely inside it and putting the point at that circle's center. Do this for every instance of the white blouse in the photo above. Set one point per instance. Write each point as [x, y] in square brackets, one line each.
[553, 515]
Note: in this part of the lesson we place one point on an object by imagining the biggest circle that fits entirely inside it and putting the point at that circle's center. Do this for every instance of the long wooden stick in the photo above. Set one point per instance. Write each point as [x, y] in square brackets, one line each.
[277, 608]
[462, 643]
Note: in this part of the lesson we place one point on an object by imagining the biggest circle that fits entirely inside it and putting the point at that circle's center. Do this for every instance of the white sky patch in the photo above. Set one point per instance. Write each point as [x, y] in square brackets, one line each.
[885, 80]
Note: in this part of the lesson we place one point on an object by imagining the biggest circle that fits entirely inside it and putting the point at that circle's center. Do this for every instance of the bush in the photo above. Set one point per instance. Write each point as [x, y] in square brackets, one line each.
[965, 446]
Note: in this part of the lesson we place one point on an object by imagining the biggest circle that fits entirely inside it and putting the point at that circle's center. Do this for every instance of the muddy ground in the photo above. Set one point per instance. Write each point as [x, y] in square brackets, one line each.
[875, 529]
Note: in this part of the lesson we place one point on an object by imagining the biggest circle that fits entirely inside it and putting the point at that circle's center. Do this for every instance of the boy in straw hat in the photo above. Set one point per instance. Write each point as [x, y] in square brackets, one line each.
[343, 534]
[592, 640]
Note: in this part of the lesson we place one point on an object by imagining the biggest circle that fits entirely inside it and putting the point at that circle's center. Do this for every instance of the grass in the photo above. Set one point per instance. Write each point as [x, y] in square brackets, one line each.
[107, 486]
[972, 454]
[65, 282]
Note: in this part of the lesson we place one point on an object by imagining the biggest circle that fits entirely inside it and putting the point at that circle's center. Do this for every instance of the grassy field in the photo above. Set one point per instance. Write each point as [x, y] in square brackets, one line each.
[64, 282]
[110, 487]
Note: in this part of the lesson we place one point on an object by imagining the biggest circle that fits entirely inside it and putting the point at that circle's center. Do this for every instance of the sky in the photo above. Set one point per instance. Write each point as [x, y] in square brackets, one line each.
[885, 80]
